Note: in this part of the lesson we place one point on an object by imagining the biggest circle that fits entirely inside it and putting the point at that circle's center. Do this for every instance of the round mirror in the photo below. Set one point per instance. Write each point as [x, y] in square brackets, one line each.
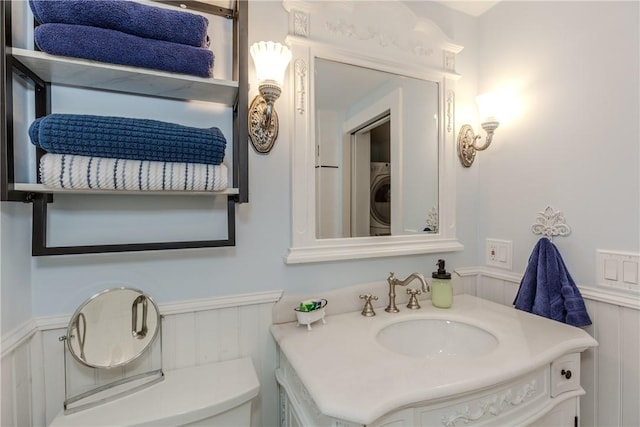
[113, 328]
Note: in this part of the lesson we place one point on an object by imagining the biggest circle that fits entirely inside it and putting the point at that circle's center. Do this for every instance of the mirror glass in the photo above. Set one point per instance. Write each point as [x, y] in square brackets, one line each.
[113, 328]
[376, 136]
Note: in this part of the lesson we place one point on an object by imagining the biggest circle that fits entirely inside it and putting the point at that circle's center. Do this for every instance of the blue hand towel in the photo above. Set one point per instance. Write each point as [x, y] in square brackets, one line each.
[127, 138]
[115, 47]
[547, 289]
[126, 16]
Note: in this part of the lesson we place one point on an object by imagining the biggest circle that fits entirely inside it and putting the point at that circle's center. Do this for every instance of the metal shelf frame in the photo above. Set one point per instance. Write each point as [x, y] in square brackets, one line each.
[42, 92]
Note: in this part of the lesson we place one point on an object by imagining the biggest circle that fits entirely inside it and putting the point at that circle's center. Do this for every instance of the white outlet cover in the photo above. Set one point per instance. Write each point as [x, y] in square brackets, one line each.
[499, 253]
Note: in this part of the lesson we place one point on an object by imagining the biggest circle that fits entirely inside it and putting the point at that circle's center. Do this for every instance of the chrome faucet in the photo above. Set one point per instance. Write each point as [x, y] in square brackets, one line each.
[393, 282]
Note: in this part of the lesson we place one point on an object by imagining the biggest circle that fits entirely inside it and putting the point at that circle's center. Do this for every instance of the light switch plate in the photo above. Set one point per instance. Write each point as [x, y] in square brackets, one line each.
[499, 253]
[618, 270]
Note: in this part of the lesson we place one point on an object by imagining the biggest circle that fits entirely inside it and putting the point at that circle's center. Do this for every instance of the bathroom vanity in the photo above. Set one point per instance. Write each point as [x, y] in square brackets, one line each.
[478, 364]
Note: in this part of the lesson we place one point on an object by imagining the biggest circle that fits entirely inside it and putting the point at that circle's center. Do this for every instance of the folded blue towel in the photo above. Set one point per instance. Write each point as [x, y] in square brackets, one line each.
[126, 16]
[127, 138]
[99, 44]
[547, 289]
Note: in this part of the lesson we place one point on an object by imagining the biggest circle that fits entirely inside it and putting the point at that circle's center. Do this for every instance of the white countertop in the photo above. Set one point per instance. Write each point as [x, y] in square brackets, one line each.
[352, 377]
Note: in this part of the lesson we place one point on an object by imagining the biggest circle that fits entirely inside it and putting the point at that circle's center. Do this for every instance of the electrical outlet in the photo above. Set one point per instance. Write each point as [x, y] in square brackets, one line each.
[499, 253]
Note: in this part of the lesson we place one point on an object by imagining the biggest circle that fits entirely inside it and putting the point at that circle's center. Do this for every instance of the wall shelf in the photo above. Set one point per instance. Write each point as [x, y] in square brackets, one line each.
[132, 80]
[40, 188]
[43, 70]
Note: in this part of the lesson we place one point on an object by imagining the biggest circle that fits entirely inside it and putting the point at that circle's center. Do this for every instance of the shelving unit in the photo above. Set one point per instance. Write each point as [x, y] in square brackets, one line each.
[42, 70]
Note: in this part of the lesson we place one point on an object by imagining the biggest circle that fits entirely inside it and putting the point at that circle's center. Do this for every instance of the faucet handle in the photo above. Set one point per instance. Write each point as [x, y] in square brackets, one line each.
[413, 298]
[367, 311]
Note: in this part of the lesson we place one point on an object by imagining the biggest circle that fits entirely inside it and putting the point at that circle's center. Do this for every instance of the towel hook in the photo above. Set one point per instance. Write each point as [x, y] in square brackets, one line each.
[551, 223]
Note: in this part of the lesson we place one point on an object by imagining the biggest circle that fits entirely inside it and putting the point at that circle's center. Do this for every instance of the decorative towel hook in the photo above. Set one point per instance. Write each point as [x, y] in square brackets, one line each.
[551, 223]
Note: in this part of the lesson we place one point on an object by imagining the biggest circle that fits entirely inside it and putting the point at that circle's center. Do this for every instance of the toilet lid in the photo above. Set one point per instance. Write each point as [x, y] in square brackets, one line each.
[186, 395]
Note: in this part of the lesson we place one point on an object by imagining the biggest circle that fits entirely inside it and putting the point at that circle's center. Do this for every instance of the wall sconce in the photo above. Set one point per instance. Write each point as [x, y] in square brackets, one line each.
[467, 147]
[271, 60]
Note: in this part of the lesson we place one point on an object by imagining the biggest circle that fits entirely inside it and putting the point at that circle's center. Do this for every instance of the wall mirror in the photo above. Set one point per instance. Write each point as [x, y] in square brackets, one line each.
[376, 136]
[113, 328]
[373, 151]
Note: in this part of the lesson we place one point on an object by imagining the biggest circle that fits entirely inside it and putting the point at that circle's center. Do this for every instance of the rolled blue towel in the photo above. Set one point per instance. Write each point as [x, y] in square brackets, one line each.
[115, 47]
[127, 138]
[126, 16]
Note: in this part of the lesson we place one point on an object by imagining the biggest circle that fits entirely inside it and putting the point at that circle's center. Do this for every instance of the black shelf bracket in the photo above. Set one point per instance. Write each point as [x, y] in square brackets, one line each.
[241, 110]
[6, 107]
[39, 236]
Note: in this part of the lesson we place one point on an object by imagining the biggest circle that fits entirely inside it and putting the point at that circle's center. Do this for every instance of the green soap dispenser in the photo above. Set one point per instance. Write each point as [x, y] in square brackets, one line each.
[441, 289]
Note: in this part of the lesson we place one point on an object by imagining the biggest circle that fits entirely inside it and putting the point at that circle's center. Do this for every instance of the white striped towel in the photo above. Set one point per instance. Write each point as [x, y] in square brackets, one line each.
[82, 172]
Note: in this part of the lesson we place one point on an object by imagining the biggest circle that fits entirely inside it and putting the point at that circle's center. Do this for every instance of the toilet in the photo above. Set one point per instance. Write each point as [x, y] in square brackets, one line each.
[215, 394]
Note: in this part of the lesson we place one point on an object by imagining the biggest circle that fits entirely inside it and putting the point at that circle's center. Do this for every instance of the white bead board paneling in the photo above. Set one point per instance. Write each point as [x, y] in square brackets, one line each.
[16, 385]
[614, 368]
[8, 413]
[38, 402]
[630, 356]
[610, 373]
[500, 287]
[223, 334]
[33, 375]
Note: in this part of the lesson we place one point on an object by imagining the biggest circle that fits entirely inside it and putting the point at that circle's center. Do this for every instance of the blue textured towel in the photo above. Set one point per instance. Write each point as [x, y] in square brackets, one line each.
[548, 290]
[127, 138]
[99, 44]
[126, 16]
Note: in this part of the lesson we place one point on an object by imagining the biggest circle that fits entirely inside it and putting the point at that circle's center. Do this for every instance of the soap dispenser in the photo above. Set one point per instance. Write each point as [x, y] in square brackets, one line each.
[441, 289]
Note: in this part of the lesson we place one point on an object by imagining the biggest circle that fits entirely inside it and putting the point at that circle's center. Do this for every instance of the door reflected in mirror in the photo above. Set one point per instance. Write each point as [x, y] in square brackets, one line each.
[376, 137]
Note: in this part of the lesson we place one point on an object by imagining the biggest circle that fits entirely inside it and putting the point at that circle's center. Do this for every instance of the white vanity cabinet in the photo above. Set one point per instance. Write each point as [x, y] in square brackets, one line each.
[526, 400]
[339, 375]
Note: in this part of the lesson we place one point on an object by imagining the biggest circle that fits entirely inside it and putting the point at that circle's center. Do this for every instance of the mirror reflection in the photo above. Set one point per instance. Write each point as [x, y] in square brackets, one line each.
[376, 136]
[113, 328]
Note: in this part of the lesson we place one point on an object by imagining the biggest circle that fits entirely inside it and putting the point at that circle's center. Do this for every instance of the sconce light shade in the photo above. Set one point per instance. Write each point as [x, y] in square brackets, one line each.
[488, 105]
[271, 60]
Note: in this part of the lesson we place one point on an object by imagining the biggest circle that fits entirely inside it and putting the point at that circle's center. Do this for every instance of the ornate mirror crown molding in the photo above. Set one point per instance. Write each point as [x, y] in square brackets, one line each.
[387, 28]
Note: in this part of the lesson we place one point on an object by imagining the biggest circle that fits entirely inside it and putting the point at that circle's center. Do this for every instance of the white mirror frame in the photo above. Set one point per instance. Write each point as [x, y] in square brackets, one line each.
[342, 31]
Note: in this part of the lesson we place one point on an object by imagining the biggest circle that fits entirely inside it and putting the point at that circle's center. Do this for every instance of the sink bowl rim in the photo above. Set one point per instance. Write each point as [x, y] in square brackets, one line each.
[466, 322]
[408, 317]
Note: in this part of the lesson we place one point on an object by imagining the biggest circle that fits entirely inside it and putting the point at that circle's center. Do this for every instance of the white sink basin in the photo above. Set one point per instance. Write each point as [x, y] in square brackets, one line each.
[436, 338]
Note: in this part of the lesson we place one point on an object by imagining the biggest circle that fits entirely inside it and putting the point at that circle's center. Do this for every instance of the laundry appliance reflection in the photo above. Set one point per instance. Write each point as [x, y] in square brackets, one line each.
[380, 200]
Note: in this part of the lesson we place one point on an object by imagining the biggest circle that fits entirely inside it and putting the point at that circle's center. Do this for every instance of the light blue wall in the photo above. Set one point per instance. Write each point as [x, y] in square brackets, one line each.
[576, 145]
[15, 266]
[59, 284]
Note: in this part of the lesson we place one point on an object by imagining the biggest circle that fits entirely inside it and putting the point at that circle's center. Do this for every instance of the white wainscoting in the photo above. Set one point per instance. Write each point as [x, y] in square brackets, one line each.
[610, 373]
[194, 332]
[16, 375]
[204, 331]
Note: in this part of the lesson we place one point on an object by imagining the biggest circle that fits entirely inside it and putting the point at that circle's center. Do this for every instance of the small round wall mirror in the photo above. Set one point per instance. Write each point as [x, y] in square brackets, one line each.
[113, 328]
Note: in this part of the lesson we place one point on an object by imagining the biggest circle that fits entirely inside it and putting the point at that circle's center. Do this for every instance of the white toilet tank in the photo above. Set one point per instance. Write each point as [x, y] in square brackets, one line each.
[216, 394]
